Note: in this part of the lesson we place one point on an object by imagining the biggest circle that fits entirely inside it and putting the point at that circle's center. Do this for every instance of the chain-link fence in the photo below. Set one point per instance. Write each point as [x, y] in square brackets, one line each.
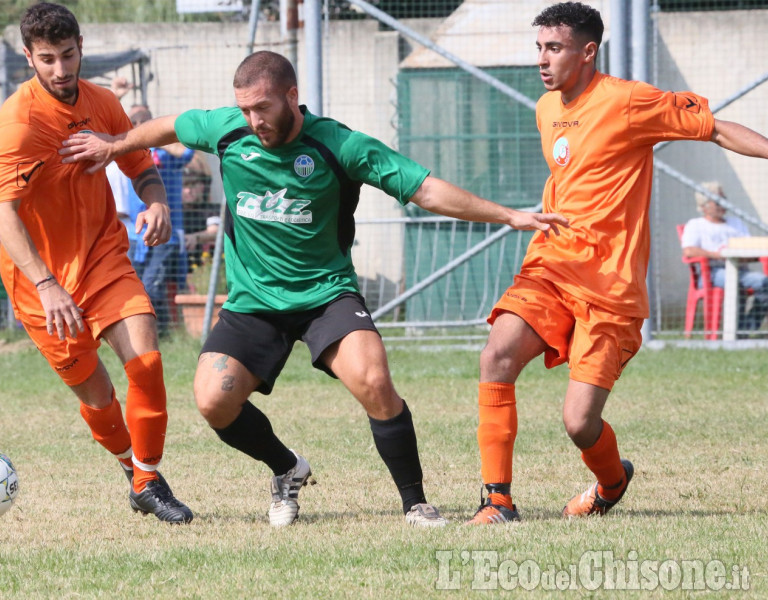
[461, 105]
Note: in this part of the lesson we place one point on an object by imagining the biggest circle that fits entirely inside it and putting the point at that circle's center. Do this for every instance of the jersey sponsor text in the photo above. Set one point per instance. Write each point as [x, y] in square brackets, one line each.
[273, 207]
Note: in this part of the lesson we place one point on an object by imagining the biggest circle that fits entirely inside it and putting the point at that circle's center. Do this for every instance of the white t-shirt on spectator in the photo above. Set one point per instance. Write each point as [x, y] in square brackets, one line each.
[712, 237]
[119, 182]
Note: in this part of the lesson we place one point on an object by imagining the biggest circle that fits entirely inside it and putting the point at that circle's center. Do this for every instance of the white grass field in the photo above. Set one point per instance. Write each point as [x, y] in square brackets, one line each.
[693, 422]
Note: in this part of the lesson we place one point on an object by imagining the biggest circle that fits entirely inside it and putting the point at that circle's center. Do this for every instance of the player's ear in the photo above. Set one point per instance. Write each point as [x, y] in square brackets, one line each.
[590, 52]
[28, 54]
[292, 95]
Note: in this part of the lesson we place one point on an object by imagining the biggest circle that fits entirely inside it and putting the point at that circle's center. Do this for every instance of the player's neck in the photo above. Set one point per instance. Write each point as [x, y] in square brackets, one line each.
[298, 123]
[585, 79]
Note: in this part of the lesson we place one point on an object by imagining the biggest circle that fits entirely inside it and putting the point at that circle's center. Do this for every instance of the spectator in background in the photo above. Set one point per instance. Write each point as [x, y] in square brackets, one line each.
[167, 263]
[707, 235]
[120, 86]
[127, 202]
[201, 217]
[128, 205]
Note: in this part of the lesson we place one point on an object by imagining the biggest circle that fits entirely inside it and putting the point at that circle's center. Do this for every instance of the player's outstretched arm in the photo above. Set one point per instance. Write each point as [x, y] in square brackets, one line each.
[60, 309]
[101, 148]
[443, 198]
[738, 138]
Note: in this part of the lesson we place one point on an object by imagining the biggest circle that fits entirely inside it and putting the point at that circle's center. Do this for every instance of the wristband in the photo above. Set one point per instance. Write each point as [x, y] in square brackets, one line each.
[44, 280]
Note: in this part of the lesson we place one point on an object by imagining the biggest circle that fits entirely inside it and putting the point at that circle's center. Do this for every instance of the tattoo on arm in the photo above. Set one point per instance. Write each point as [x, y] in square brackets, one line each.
[227, 383]
[220, 364]
[142, 183]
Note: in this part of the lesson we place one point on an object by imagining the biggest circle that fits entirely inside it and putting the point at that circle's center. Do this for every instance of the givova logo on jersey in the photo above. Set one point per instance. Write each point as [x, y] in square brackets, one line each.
[561, 152]
[273, 207]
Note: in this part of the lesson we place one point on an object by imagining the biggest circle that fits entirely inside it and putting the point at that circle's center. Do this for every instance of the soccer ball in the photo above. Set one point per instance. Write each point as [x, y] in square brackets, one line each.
[9, 484]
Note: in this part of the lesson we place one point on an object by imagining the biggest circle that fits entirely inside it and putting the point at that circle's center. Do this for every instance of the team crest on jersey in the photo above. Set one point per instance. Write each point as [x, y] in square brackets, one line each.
[561, 152]
[304, 166]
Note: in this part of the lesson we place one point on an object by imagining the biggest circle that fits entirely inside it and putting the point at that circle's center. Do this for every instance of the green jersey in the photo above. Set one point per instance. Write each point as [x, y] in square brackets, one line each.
[290, 224]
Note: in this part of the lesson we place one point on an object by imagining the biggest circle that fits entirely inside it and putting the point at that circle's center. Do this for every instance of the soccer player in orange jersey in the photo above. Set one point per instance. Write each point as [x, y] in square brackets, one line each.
[580, 297]
[63, 258]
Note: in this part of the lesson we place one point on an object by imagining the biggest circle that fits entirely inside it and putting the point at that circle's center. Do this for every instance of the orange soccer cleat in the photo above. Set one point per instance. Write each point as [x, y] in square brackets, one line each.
[591, 503]
[494, 514]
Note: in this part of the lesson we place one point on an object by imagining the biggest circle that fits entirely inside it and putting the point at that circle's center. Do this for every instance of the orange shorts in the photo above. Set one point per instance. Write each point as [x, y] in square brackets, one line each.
[597, 343]
[76, 359]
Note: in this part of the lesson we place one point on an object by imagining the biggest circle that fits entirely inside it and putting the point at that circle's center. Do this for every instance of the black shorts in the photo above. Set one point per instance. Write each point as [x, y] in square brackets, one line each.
[263, 341]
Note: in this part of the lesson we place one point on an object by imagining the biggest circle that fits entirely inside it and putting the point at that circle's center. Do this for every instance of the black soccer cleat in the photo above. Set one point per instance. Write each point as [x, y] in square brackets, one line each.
[157, 499]
[160, 478]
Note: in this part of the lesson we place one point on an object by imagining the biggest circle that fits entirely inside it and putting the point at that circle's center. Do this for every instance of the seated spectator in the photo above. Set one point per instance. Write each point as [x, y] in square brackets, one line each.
[707, 235]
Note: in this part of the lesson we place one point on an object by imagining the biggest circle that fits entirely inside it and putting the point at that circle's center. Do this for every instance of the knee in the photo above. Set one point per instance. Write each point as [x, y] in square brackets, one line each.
[495, 364]
[373, 389]
[582, 430]
[212, 405]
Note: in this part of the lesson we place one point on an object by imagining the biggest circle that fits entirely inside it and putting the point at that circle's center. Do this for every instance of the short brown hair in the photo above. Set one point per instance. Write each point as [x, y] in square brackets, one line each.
[265, 64]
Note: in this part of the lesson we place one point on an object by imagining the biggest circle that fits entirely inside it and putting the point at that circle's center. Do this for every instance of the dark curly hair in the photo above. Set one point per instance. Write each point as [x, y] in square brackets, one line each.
[52, 23]
[583, 20]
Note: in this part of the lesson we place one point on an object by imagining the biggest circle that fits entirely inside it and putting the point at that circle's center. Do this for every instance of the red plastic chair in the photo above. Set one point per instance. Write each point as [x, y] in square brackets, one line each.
[700, 288]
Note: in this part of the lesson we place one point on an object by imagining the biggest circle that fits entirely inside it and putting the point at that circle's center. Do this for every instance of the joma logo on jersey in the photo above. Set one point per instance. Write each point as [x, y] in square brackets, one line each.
[273, 207]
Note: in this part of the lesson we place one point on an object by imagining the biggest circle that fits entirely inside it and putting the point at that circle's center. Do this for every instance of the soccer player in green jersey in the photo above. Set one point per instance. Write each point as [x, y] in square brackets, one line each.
[292, 181]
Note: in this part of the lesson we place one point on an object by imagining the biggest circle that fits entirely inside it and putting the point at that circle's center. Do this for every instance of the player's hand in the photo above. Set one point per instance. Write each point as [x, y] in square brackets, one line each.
[190, 241]
[157, 218]
[61, 312]
[95, 147]
[545, 222]
[120, 86]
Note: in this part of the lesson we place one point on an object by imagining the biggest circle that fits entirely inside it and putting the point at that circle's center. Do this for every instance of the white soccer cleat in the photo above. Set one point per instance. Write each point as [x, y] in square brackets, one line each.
[424, 515]
[284, 509]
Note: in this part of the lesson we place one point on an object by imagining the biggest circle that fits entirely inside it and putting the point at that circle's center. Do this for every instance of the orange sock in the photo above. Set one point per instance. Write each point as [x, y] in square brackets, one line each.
[604, 461]
[108, 428]
[146, 415]
[496, 435]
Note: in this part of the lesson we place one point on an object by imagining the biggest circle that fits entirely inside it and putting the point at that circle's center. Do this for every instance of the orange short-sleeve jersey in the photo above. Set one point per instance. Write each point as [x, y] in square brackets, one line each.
[599, 149]
[70, 215]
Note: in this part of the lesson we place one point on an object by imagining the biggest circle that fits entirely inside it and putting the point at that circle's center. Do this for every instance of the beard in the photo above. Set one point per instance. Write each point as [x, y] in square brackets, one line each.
[280, 130]
[67, 94]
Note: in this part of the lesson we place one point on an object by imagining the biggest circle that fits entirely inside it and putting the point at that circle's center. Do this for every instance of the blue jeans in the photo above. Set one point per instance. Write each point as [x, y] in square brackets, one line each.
[161, 266]
[759, 284]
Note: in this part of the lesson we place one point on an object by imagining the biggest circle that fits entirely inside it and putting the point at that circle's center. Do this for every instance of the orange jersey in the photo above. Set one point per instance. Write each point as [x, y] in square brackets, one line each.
[69, 214]
[599, 149]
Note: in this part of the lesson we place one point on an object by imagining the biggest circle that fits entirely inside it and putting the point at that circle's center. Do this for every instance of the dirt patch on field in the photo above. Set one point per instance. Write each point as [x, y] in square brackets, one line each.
[15, 345]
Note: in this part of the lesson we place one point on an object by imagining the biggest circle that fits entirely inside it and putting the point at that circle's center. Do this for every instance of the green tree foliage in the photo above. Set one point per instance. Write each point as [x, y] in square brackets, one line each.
[154, 11]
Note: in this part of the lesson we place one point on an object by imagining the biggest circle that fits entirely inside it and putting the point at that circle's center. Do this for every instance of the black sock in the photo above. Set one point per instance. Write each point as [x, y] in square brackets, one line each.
[395, 440]
[251, 433]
